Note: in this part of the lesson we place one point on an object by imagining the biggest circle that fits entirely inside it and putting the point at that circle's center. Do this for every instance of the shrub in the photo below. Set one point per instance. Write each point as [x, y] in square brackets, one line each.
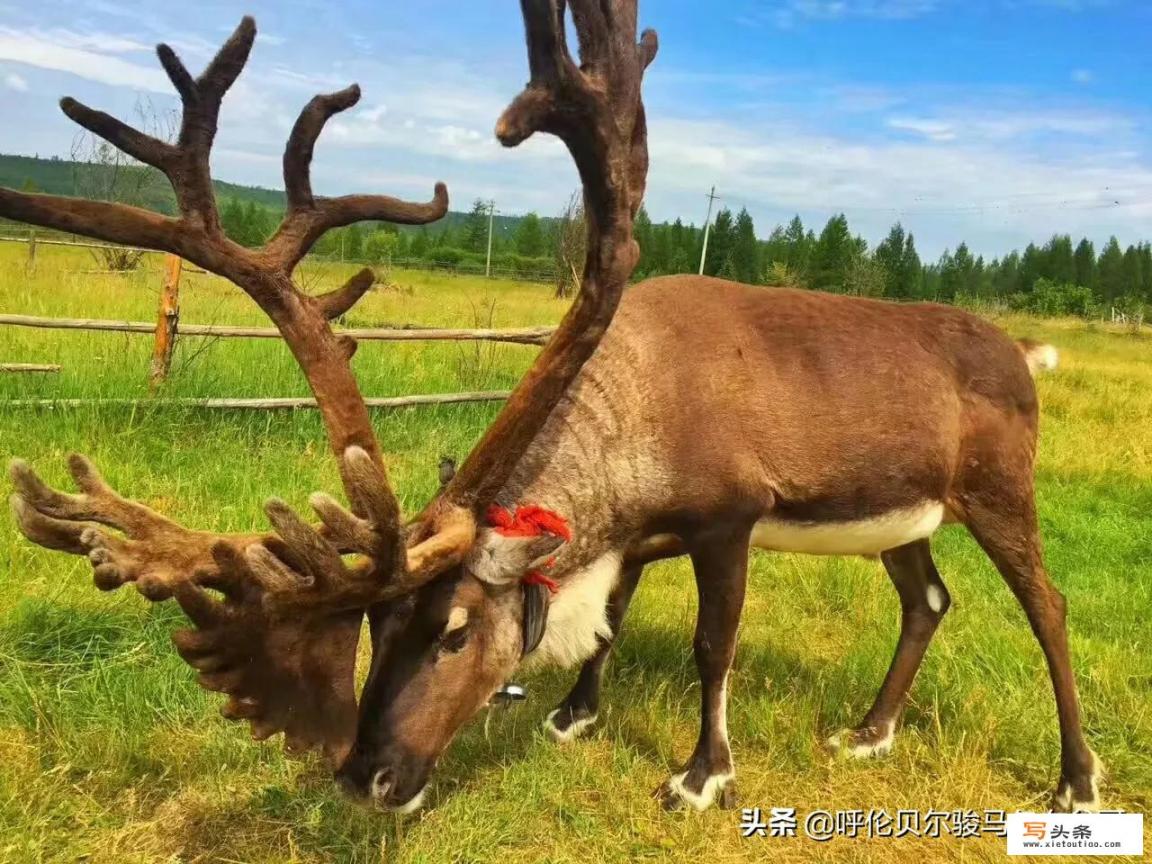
[1052, 300]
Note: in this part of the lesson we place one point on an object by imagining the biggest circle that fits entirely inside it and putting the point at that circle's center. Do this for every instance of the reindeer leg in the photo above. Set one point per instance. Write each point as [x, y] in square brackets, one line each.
[578, 710]
[721, 565]
[923, 602]
[1000, 512]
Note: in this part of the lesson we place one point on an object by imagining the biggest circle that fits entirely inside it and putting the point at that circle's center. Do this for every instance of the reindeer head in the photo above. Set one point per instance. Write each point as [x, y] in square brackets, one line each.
[443, 592]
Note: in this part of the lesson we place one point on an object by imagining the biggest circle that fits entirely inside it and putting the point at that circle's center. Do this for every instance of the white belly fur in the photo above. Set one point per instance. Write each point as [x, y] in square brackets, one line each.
[578, 615]
[863, 537]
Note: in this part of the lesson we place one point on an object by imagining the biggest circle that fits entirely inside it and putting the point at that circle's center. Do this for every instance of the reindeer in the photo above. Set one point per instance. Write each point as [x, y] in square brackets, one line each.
[687, 415]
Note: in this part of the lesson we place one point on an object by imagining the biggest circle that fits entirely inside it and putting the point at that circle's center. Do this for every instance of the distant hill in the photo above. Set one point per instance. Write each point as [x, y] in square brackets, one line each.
[59, 177]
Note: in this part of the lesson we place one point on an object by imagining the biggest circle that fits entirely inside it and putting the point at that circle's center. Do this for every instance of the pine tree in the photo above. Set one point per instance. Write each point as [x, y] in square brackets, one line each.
[1058, 263]
[720, 241]
[683, 253]
[232, 220]
[1085, 264]
[799, 246]
[476, 227]
[643, 231]
[1006, 280]
[1145, 250]
[949, 281]
[1133, 271]
[964, 272]
[889, 258]
[353, 242]
[911, 271]
[530, 241]
[745, 252]
[1031, 269]
[1110, 273]
[420, 244]
[832, 255]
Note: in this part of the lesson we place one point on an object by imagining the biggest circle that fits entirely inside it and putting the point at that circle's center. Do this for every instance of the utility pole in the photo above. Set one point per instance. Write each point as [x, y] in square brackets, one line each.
[491, 217]
[712, 196]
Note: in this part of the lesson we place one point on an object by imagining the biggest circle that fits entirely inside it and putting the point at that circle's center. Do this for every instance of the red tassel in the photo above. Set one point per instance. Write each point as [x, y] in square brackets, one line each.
[529, 520]
[535, 577]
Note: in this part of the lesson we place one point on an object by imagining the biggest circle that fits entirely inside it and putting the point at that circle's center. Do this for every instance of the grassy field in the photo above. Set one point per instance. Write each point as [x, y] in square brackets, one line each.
[110, 753]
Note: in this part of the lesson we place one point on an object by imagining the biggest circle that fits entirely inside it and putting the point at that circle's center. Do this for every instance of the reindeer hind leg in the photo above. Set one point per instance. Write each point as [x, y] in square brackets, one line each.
[923, 602]
[999, 509]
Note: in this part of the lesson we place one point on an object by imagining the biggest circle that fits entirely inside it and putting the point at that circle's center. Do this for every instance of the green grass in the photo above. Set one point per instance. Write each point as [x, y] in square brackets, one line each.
[110, 753]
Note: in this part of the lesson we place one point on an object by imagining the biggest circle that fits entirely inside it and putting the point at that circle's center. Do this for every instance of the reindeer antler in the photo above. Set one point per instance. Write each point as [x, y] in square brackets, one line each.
[596, 110]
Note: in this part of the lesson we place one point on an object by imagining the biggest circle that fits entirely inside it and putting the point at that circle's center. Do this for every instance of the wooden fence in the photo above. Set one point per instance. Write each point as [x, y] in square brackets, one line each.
[167, 328]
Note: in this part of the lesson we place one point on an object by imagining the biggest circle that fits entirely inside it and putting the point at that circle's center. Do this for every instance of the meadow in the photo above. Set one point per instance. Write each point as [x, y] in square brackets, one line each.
[109, 752]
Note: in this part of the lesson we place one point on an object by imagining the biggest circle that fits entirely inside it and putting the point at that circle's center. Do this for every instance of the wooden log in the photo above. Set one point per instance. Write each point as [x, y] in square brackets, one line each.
[29, 367]
[519, 336]
[167, 320]
[259, 404]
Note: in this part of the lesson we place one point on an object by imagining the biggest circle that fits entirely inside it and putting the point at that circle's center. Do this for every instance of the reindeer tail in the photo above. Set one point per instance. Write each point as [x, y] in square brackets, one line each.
[1040, 356]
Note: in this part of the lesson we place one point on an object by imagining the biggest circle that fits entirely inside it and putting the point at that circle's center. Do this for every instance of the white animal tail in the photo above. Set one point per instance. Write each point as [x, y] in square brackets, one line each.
[1039, 356]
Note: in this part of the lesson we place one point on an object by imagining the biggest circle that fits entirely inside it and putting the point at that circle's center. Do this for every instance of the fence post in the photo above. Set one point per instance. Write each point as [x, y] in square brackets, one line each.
[31, 266]
[167, 320]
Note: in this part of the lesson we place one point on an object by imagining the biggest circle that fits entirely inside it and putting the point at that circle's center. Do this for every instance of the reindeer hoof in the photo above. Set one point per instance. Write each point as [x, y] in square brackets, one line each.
[678, 793]
[1081, 793]
[865, 743]
[565, 724]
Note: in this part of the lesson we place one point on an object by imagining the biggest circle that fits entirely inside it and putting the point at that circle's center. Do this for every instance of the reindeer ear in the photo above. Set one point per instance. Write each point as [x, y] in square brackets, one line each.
[499, 559]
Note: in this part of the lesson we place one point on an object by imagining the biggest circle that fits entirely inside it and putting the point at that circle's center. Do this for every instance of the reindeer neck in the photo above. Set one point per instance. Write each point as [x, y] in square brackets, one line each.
[591, 463]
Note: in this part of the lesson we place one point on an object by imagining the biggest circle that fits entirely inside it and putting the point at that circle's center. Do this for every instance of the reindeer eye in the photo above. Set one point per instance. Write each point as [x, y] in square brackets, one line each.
[454, 640]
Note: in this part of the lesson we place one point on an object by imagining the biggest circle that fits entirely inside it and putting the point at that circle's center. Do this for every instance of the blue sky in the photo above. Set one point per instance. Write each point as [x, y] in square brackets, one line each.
[992, 121]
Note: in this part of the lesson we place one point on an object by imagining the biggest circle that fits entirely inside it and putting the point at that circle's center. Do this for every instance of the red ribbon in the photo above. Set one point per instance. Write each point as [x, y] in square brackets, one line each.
[535, 577]
[529, 520]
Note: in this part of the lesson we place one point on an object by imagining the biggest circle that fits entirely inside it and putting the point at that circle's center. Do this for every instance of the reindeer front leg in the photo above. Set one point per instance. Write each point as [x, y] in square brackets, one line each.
[579, 709]
[721, 564]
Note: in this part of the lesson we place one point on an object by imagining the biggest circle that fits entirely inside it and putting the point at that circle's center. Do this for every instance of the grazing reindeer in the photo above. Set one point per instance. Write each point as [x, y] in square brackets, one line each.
[794, 421]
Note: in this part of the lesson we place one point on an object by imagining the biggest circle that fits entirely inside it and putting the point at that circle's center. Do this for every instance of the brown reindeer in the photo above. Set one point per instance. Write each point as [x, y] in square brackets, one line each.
[707, 418]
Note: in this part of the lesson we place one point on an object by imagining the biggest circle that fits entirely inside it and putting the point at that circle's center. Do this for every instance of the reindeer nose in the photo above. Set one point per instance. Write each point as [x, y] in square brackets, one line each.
[353, 778]
[382, 782]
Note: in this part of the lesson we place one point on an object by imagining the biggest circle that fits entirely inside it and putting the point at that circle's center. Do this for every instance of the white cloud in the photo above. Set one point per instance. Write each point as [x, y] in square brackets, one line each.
[15, 82]
[944, 191]
[1008, 124]
[933, 130]
[1082, 76]
[790, 12]
[85, 56]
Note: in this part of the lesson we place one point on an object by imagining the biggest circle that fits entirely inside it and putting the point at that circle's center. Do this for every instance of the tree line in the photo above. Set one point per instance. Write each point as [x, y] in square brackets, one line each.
[1057, 278]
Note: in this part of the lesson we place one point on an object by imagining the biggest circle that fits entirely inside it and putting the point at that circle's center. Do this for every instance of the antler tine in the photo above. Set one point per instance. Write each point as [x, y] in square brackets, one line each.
[201, 99]
[185, 164]
[302, 141]
[144, 148]
[597, 111]
[336, 303]
[308, 217]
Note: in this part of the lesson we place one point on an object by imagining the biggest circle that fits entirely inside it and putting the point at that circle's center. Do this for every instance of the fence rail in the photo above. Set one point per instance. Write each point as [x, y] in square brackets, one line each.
[291, 403]
[518, 336]
[29, 367]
